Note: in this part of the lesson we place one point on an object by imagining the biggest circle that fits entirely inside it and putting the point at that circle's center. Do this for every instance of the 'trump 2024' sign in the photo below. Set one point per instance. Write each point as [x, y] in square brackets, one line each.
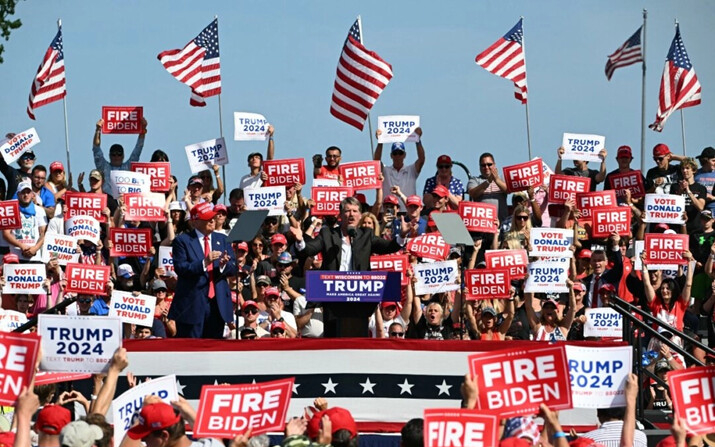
[371, 287]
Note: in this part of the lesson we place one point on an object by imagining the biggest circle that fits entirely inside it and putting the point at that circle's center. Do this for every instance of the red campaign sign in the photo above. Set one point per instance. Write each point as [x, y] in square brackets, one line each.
[229, 410]
[285, 172]
[479, 216]
[513, 382]
[483, 284]
[451, 427]
[130, 242]
[693, 391]
[87, 279]
[85, 204]
[47, 378]
[10, 215]
[391, 263]
[121, 119]
[430, 246]
[361, 175]
[17, 364]
[612, 219]
[587, 201]
[513, 260]
[565, 187]
[632, 181]
[159, 172]
[145, 207]
[327, 199]
[666, 248]
[520, 177]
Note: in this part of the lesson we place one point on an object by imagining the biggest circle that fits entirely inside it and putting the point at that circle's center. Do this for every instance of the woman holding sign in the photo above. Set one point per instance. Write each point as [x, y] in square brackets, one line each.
[518, 235]
[548, 326]
[668, 303]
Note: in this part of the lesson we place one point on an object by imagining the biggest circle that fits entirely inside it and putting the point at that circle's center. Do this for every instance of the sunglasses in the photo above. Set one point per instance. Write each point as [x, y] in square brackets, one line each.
[272, 222]
[486, 165]
[522, 217]
[444, 166]
[397, 334]
[257, 244]
[251, 311]
[84, 300]
[658, 158]
[249, 337]
[278, 332]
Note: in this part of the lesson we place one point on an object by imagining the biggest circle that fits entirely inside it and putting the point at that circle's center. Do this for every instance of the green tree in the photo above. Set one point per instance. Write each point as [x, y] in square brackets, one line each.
[7, 9]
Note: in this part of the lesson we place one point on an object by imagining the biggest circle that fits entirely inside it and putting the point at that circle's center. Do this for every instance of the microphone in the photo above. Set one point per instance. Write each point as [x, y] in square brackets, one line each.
[352, 231]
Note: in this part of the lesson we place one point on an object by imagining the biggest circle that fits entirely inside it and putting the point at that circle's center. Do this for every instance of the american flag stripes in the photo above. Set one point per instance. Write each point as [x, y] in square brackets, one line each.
[679, 86]
[627, 54]
[505, 58]
[197, 65]
[49, 83]
[360, 78]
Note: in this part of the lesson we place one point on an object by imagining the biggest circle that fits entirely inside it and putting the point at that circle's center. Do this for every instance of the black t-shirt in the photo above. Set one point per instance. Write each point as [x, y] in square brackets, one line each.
[590, 173]
[425, 331]
[693, 212]
[607, 184]
[671, 175]
[700, 244]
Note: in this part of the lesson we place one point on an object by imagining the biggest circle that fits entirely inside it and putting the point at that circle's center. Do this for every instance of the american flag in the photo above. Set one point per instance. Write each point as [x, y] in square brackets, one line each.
[360, 78]
[197, 65]
[49, 83]
[505, 58]
[679, 86]
[627, 54]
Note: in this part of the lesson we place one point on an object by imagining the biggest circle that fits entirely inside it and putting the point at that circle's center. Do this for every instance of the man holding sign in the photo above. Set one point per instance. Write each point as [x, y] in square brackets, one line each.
[116, 154]
[203, 260]
[255, 162]
[580, 168]
[398, 174]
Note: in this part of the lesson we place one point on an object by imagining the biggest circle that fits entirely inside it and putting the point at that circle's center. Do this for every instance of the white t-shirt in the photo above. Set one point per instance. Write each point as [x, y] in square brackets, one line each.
[405, 178]
[387, 324]
[249, 181]
[29, 234]
[314, 327]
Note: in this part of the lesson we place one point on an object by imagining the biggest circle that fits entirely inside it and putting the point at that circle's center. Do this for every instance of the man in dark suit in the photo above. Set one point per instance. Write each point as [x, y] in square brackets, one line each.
[203, 260]
[348, 248]
[602, 275]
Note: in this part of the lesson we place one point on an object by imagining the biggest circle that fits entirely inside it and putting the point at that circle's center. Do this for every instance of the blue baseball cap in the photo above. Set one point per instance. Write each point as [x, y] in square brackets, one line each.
[398, 147]
[285, 258]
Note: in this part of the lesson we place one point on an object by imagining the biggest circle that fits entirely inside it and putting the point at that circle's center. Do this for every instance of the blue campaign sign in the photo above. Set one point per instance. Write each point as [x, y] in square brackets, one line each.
[364, 287]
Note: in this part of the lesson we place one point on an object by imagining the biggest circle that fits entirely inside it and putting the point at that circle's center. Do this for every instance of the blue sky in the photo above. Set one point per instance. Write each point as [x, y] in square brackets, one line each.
[279, 59]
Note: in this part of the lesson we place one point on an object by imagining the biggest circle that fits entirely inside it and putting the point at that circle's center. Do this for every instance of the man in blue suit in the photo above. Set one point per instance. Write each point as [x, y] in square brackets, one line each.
[202, 261]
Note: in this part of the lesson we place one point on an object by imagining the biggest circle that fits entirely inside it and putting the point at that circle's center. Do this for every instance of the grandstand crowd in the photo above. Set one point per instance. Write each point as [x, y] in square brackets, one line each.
[250, 289]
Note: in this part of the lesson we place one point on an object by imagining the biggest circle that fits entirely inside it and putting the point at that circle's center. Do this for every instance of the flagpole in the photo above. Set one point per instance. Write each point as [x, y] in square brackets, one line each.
[643, 124]
[369, 122]
[64, 105]
[682, 129]
[220, 126]
[528, 127]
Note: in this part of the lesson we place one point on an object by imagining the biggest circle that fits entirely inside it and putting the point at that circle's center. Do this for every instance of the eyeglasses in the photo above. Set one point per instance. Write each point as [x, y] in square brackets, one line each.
[251, 311]
[397, 334]
[522, 217]
[444, 166]
[486, 165]
[278, 332]
[84, 300]
[658, 158]
[256, 244]
[332, 156]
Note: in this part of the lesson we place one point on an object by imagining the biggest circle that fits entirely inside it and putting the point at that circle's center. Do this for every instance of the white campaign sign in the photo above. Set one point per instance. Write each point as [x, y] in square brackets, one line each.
[582, 146]
[13, 148]
[664, 208]
[435, 277]
[398, 128]
[78, 343]
[132, 309]
[249, 127]
[598, 375]
[271, 198]
[547, 276]
[11, 320]
[166, 258]
[638, 248]
[63, 248]
[203, 155]
[603, 322]
[126, 407]
[126, 182]
[322, 182]
[24, 278]
[83, 227]
[551, 242]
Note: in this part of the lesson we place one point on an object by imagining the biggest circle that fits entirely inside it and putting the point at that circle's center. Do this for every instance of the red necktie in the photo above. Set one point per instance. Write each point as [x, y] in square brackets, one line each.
[209, 268]
[596, 285]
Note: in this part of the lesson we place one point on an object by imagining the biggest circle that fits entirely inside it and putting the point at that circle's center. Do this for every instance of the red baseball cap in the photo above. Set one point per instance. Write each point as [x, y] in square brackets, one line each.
[153, 417]
[578, 285]
[203, 211]
[662, 226]
[220, 207]
[388, 304]
[249, 303]
[441, 191]
[414, 200]
[390, 199]
[56, 166]
[607, 288]
[272, 291]
[584, 254]
[342, 420]
[624, 152]
[52, 418]
[444, 160]
[660, 150]
[278, 238]
[278, 325]
[10, 258]
[242, 246]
